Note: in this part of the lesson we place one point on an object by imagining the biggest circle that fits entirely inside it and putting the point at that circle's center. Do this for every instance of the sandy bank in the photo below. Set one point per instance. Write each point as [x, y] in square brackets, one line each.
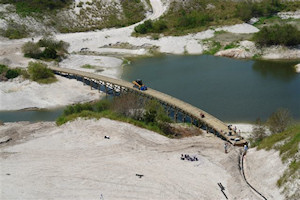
[19, 94]
[262, 170]
[74, 161]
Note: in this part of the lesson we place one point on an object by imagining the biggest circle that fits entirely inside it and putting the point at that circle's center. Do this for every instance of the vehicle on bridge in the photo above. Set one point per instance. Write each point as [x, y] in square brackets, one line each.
[139, 84]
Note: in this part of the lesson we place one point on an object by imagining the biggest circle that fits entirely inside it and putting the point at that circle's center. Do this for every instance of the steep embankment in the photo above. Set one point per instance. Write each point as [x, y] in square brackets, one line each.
[275, 163]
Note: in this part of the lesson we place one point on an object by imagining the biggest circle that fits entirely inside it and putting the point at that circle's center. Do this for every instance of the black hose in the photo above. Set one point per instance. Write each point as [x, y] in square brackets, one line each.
[242, 169]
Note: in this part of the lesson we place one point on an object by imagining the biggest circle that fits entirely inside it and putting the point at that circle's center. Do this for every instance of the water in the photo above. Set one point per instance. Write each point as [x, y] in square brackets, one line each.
[33, 116]
[232, 90]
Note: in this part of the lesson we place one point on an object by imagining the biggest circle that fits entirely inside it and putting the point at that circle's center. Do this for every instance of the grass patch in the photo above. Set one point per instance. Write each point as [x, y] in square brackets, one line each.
[88, 66]
[214, 48]
[231, 46]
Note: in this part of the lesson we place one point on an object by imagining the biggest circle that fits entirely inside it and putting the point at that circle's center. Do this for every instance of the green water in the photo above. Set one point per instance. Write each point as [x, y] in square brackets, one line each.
[32, 116]
[232, 90]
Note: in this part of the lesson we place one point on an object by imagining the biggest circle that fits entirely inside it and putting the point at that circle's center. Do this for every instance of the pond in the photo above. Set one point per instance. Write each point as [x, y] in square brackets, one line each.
[232, 90]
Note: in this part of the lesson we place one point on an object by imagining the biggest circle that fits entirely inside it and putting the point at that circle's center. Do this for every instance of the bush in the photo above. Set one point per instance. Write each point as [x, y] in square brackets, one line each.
[53, 49]
[12, 73]
[32, 50]
[278, 35]
[258, 132]
[155, 112]
[279, 120]
[3, 68]
[150, 26]
[102, 105]
[49, 53]
[40, 73]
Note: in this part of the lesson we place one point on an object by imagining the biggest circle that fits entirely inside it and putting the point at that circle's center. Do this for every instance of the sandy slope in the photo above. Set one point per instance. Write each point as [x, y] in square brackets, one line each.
[20, 94]
[262, 170]
[74, 161]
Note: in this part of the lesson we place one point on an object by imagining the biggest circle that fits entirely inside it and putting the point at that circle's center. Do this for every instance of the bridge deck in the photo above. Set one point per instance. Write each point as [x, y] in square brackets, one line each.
[193, 111]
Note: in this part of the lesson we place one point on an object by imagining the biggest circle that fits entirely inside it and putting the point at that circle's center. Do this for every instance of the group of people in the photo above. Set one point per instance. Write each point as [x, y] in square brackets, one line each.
[188, 157]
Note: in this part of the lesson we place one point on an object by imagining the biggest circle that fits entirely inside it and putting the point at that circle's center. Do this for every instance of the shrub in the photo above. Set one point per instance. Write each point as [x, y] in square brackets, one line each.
[279, 120]
[278, 35]
[12, 73]
[31, 49]
[258, 132]
[40, 73]
[155, 112]
[102, 105]
[3, 68]
[49, 53]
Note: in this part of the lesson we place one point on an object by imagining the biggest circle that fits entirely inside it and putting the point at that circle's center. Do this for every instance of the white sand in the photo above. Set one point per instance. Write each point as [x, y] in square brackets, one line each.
[109, 65]
[74, 161]
[19, 94]
[262, 170]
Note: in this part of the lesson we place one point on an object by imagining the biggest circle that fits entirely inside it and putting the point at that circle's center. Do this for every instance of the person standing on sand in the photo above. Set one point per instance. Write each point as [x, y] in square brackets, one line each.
[245, 149]
[226, 147]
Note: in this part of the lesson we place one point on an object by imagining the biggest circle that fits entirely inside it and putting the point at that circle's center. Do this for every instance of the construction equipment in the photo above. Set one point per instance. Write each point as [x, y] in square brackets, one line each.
[139, 84]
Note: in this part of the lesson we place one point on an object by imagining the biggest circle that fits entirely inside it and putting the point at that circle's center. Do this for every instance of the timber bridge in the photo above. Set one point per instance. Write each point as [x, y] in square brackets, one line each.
[173, 105]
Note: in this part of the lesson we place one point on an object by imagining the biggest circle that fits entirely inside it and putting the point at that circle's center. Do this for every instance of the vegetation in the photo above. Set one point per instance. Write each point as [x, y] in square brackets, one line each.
[133, 11]
[40, 73]
[197, 15]
[278, 35]
[10, 73]
[27, 7]
[53, 49]
[287, 142]
[214, 48]
[127, 108]
[150, 26]
[231, 46]
[88, 66]
[14, 31]
[258, 133]
[285, 137]
[279, 120]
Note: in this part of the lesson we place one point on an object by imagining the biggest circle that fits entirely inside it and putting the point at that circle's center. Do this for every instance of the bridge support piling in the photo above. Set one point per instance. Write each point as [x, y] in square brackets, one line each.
[175, 115]
[184, 118]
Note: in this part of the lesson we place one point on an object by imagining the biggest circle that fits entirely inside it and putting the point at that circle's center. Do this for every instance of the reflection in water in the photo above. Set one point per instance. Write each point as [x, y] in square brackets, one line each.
[284, 71]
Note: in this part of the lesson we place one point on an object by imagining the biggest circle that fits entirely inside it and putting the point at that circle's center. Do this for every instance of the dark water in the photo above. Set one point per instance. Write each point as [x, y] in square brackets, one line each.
[33, 116]
[232, 90]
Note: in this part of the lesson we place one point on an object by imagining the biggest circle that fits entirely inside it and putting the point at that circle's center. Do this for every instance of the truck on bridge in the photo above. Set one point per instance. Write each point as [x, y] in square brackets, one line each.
[138, 83]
